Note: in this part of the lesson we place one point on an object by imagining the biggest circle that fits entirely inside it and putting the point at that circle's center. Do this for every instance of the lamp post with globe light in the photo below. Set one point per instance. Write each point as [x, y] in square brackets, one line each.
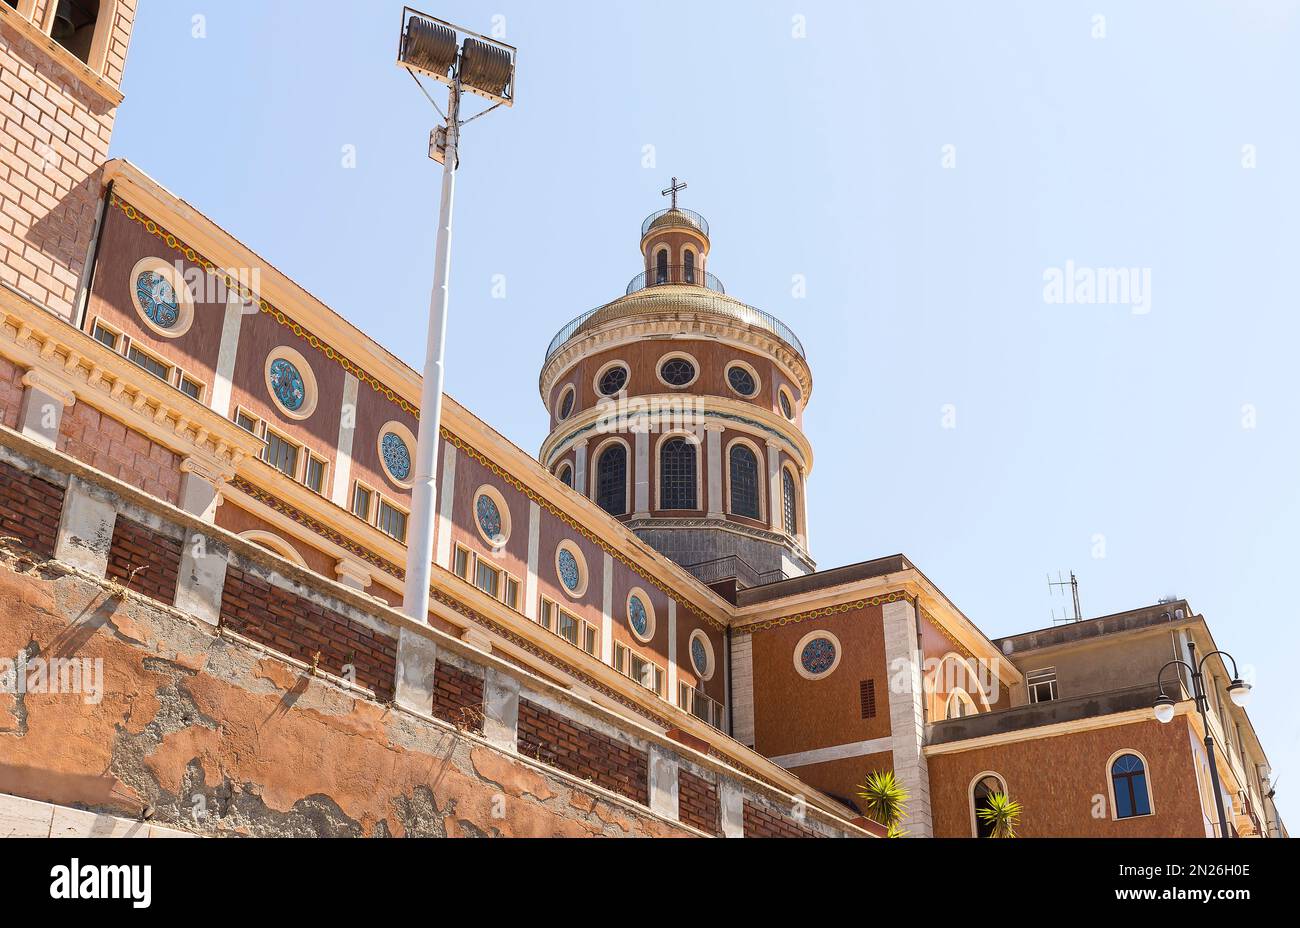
[1238, 692]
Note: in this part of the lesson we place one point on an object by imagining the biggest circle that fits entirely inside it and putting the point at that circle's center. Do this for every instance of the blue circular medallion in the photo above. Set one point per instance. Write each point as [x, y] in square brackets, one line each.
[570, 573]
[638, 617]
[699, 656]
[158, 299]
[489, 516]
[397, 457]
[818, 656]
[287, 385]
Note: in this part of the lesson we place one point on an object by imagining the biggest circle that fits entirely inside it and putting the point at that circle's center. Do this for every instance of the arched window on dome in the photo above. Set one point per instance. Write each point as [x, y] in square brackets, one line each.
[689, 266]
[678, 470]
[744, 482]
[611, 480]
[789, 502]
[565, 474]
[661, 266]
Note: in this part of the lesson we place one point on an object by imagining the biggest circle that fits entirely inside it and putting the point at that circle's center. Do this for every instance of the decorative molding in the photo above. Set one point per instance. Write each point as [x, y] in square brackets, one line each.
[838, 609]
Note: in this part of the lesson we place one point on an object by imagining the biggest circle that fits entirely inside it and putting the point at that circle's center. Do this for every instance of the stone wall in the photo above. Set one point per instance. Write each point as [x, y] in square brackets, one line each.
[227, 711]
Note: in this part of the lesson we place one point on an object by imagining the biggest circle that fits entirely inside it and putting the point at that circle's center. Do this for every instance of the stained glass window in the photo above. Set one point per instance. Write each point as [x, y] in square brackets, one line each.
[613, 380]
[786, 406]
[397, 456]
[744, 482]
[638, 617]
[789, 505]
[611, 480]
[1130, 779]
[158, 299]
[489, 516]
[677, 475]
[699, 656]
[566, 404]
[818, 656]
[570, 572]
[287, 384]
[742, 381]
[678, 372]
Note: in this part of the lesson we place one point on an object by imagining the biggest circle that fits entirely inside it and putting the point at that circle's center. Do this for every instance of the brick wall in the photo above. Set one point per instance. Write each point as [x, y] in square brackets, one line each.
[301, 629]
[109, 446]
[575, 749]
[458, 697]
[11, 393]
[135, 546]
[29, 510]
[761, 822]
[698, 802]
[55, 139]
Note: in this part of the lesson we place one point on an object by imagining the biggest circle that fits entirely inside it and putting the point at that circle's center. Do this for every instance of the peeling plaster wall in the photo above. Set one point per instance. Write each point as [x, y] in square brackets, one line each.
[211, 736]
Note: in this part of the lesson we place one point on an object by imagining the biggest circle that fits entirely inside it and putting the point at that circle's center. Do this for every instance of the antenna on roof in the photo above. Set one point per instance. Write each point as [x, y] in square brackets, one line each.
[1060, 584]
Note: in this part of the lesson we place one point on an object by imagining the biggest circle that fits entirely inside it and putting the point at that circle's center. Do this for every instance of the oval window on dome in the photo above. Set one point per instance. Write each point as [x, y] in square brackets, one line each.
[817, 655]
[566, 403]
[677, 372]
[612, 381]
[787, 404]
[742, 380]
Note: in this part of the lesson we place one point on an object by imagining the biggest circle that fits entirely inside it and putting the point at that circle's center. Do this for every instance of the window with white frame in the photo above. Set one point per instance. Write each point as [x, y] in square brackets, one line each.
[1041, 685]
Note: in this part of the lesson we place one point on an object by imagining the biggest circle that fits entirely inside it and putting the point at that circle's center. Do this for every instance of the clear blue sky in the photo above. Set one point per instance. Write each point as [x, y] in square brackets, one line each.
[822, 156]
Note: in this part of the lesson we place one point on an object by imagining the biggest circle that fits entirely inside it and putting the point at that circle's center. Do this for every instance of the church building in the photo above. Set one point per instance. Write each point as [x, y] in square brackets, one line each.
[205, 490]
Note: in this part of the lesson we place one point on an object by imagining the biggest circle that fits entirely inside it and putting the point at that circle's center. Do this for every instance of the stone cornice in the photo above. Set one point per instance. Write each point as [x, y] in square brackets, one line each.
[638, 326]
[67, 359]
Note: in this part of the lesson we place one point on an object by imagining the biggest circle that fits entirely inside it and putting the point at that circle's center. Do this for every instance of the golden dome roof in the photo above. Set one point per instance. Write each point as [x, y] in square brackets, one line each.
[676, 219]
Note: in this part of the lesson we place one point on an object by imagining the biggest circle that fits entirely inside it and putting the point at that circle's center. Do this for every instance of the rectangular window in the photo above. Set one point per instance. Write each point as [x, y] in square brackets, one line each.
[106, 336]
[281, 454]
[546, 614]
[361, 502]
[647, 674]
[487, 578]
[589, 639]
[1041, 685]
[567, 628]
[620, 658]
[511, 597]
[461, 566]
[191, 388]
[392, 521]
[315, 475]
[150, 363]
[246, 422]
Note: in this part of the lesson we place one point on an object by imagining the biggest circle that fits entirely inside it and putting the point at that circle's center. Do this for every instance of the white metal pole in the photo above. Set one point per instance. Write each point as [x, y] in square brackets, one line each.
[424, 492]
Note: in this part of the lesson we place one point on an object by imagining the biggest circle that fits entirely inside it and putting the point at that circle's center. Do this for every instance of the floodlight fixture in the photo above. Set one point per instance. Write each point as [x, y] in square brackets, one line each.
[455, 56]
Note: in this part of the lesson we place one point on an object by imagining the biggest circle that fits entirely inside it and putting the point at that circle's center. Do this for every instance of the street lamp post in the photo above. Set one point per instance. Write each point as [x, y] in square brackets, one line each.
[466, 62]
[1238, 692]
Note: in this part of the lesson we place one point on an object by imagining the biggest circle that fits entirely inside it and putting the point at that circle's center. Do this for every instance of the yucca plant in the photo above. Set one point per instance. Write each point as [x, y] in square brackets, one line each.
[885, 801]
[1002, 814]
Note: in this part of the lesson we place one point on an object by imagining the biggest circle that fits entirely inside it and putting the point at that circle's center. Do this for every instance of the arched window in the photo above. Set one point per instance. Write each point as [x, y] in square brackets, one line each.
[960, 705]
[677, 475]
[611, 480]
[789, 503]
[988, 785]
[566, 475]
[689, 269]
[744, 481]
[661, 267]
[1128, 776]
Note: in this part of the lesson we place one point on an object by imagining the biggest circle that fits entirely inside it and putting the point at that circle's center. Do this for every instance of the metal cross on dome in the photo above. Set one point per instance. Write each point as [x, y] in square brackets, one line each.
[674, 190]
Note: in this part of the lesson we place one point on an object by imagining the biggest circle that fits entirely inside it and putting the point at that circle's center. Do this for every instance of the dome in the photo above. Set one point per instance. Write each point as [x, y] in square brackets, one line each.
[669, 219]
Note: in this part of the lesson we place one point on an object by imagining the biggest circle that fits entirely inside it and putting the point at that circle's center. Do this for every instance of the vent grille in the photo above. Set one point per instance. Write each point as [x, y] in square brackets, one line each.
[868, 694]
